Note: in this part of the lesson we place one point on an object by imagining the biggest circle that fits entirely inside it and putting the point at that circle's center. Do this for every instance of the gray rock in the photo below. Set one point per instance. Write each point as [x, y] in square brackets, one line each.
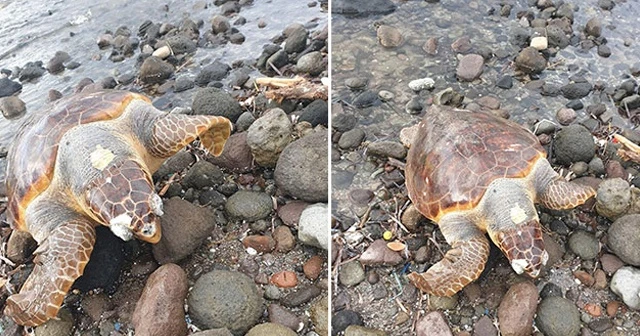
[351, 139]
[20, 246]
[574, 143]
[319, 312]
[296, 41]
[31, 71]
[624, 239]
[566, 116]
[12, 107]
[613, 198]
[505, 82]
[387, 149]
[434, 323]
[584, 244]
[342, 122]
[183, 83]
[283, 316]
[343, 319]
[558, 316]
[470, 67]
[557, 37]
[225, 299]
[379, 254]
[631, 102]
[606, 4]
[214, 332]
[356, 83]
[62, 326]
[219, 24]
[270, 329]
[302, 296]
[366, 99]
[626, 284]
[280, 59]
[268, 136]
[244, 121]
[9, 87]
[312, 63]
[180, 44]
[531, 61]
[355, 330]
[213, 72]
[202, 174]
[154, 70]
[184, 227]
[351, 273]
[576, 90]
[249, 205]
[301, 170]
[389, 37]
[175, 164]
[604, 50]
[312, 228]
[212, 101]
[56, 63]
[593, 27]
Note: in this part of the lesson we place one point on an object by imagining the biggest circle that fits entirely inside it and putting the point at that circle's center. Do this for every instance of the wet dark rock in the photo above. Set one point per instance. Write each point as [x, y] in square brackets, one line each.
[12, 107]
[470, 67]
[9, 87]
[387, 149]
[244, 121]
[237, 38]
[531, 61]
[520, 37]
[584, 244]
[296, 40]
[631, 102]
[225, 299]
[575, 105]
[212, 101]
[312, 63]
[213, 72]
[302, 296]
[180, 44]
[177, 163]
[574, 143]
[505, 82]
[624, 239]
[61, 326]
[103, 269]
[356, 83]
[302, 168]
[268, 136]
[31, 71]
[431, 46]
[558, 316]
[343, 319]
[342, 122]
[184, 227]
[606, 4]
[414, 106]
[517, 308]
[160, 309]
[183, 83]
[366, 99]
[316, 113]
[56, 64]
[278, 60]
[362, 7]
[597, 109]
[601, 324]
[593, 27]
[576, 90]
[549, 290]
[154, 70]
[604, 50]
[20, 246]
[557, 37]
[201, 175]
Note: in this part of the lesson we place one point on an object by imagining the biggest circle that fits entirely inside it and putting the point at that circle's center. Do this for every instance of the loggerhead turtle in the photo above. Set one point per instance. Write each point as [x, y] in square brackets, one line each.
[87, 162]
[474, 173]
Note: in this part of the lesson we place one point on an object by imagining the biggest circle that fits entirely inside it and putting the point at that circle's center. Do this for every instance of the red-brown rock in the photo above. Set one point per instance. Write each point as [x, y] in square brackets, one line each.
[313, 267]
[284, 279]
[263, 244]
[516, 311]
[433, 324]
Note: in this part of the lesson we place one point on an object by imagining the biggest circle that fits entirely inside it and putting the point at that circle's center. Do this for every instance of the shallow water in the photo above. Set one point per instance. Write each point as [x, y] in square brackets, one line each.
[357, 53]
[34, 30]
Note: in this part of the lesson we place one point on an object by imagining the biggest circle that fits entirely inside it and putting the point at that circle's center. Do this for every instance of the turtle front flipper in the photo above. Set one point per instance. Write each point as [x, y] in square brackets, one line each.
[461, 265]
[561, 194]
[59, 261]
[172, 132]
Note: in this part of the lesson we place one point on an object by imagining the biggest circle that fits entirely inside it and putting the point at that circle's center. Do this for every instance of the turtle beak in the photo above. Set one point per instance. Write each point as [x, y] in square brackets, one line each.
[524, 247]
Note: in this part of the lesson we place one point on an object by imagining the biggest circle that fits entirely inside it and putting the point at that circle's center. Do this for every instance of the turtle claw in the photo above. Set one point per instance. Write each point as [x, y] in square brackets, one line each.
[62, 260]
[461, 265]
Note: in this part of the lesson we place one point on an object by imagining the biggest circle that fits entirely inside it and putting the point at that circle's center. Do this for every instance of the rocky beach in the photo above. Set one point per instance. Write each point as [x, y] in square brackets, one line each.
[244, 247]
[567, 71]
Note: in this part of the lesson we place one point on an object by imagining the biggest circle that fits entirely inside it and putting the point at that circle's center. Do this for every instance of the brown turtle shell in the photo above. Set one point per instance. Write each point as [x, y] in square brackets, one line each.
[456, 154]
[32, 156]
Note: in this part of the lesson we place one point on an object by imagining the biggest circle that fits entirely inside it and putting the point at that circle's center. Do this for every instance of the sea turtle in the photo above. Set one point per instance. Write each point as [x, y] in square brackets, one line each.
[88, 161]
[474, 173]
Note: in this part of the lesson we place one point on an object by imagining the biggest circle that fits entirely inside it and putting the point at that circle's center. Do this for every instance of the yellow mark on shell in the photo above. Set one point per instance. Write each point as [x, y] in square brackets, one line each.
[101, 157]
[518, 215]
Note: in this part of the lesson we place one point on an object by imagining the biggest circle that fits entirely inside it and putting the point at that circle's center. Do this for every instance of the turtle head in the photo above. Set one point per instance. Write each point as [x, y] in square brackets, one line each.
[524, 247]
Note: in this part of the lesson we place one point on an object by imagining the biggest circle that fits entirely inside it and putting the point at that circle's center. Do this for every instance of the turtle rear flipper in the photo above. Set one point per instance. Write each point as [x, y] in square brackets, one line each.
[60, 260]
[461, 265]
[172, 132]
[561, 194]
